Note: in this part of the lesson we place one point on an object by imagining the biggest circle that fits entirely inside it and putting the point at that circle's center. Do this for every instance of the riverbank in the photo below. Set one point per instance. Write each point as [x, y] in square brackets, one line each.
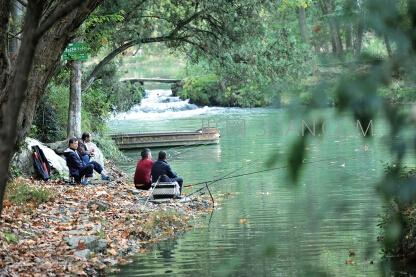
[58, 229]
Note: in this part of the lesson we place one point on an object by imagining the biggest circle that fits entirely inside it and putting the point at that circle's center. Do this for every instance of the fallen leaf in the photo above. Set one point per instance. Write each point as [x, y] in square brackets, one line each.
[243, 220]
[81, 245]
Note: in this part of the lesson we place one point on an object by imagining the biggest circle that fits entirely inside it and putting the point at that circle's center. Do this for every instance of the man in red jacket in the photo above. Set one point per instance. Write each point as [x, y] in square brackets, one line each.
[143, 174]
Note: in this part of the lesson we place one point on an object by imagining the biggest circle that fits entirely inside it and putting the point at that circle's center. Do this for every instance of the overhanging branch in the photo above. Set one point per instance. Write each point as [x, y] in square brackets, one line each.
[57, 15]
[93, 75]
[169, 37]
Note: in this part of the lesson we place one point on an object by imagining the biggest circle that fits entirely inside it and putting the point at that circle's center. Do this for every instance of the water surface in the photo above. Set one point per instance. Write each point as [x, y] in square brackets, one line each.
[324, 224]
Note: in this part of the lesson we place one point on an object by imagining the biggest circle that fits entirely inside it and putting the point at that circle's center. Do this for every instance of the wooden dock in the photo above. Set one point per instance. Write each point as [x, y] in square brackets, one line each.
[151, 80]
[166, 139]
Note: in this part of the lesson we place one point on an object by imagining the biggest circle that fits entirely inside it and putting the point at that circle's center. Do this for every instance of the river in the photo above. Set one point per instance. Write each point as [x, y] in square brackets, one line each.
[326, 224]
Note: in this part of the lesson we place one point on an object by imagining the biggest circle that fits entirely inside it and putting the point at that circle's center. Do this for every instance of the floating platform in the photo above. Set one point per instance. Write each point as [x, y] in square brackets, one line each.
[167, 139]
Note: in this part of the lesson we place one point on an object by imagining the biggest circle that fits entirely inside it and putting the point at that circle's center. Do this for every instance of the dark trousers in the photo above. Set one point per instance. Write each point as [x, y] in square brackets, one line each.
[88, 170]
[85, 159]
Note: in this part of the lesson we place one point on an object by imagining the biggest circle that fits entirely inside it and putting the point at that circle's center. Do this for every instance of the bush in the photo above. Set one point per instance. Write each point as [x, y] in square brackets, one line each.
[106, 95]
[209, 90]
[203, 91]
[51, 117]
[110, 149]
[399, 220]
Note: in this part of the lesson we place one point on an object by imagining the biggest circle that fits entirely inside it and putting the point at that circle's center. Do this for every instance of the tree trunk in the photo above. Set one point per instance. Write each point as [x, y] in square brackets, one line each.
[302, 24]
[43, 40]
[5, 7]
[359, 37]
[388, 46]
[348, 37]
[75, 102]
[327, 9]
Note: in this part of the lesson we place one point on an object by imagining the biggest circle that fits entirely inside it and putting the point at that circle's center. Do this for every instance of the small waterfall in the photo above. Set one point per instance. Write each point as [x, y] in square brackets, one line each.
[160, 104]
[161, 101]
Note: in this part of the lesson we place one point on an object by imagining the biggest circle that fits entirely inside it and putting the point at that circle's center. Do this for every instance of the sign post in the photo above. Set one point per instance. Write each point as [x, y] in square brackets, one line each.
[76, 51]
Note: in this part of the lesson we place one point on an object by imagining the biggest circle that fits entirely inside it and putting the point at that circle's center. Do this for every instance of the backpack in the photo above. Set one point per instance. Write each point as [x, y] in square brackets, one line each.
[40, 163]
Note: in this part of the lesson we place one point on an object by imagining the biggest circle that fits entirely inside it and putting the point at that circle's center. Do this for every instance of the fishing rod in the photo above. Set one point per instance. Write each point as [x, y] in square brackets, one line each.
[172, 158]
[191, 147]
[208, 183]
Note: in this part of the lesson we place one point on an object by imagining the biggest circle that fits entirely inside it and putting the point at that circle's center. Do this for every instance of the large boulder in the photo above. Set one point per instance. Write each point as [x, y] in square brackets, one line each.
[23, 160]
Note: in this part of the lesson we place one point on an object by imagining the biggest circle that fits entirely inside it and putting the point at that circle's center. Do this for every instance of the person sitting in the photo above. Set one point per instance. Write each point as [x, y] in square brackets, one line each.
[82, 148]
[77, 168]
[162, 168]
[142, 176]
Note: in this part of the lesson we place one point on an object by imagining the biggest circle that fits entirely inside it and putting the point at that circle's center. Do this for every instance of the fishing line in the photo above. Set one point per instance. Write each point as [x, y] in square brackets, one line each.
[208, 183]
[227, 177]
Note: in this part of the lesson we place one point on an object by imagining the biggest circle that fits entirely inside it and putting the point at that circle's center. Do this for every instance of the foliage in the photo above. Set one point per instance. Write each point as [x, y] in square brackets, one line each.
[46, 121]
[249, 70]
[204, 90]
[109, 148]
[399, 221]
[22, 193]
[14, 171]
[107, 95]
[121, 96]
[10, 237]
[364, 89]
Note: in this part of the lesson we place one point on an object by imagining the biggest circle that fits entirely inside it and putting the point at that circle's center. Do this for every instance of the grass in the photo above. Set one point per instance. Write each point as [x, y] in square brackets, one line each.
[21, 193]
[10, 237]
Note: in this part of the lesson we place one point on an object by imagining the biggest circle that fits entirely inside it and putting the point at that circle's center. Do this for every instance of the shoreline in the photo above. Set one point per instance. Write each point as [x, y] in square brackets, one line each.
[86, 230]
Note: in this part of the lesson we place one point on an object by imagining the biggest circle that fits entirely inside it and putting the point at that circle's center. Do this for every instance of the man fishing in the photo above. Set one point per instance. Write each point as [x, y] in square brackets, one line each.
[143, 174]
[162, 168]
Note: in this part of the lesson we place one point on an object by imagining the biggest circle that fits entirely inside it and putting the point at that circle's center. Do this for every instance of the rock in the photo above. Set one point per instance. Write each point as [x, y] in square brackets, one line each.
[177, 88]
[134, 191]
[91, 242]
[23, 159]
[110, 261]
[102, 245]
[85, 254]
[98, 204]
[59, 146]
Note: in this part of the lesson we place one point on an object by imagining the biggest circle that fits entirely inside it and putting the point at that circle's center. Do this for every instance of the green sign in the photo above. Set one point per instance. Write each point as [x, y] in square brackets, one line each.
[76, 51]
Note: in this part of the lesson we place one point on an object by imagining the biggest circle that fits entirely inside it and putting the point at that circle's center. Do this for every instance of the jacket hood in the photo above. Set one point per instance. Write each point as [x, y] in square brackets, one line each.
[67, 151]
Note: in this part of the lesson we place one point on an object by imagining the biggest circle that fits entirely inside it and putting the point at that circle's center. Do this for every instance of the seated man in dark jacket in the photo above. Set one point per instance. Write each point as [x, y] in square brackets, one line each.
[162, 168]
[77, 167]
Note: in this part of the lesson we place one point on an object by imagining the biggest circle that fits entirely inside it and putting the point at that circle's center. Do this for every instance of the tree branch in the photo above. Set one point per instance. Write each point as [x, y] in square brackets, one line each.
[57, 15]
[169, 37]
[22, 2]
[93, 75]
[133, 10]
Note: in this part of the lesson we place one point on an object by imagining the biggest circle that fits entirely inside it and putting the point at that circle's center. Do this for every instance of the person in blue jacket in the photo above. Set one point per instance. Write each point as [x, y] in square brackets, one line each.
[77, 167]
[162, 168]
